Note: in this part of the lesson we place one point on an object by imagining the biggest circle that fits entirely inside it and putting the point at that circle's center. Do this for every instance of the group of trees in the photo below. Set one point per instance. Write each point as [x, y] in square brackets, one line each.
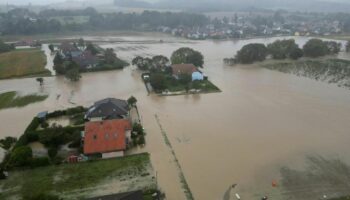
[187, 55]
[5, 47]
[158, 63]
[283, 49]
[160, 70]
[23, 21]
[317, 48]
[69, 69]
[180, 56]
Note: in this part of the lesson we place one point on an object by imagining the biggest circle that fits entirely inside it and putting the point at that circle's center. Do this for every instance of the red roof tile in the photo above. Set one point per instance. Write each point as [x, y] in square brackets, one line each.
[105, 136]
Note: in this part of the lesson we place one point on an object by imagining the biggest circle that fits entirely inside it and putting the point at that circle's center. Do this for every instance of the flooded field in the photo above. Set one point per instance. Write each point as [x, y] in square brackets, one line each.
[261, 121]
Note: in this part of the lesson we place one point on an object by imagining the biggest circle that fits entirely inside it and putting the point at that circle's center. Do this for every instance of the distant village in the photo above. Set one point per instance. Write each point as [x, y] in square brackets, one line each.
[257, 26]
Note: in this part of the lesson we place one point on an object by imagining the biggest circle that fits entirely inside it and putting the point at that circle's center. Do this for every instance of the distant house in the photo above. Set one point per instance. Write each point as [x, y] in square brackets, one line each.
[86, 60]
[108, 138]
[42, 115]
[68, 50]
[188, 69]
[136, 195]
[109, 108]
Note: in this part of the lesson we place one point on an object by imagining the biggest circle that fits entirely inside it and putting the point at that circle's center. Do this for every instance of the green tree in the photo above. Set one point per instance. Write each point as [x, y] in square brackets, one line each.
[21, 156]
[132, 101]
[185, 79]
[158, 81]
[5, 47]
[281, 49]
[81, 42]
[110, 56]
[333, 47]
[251, 53]
[295, 53]
[40, 80]
[90, 47]
[72, 72]
[315, 48]
[7, 142]
[52, 48]
[187, 56]
[142, 63]
[347, 47]
[160, 62]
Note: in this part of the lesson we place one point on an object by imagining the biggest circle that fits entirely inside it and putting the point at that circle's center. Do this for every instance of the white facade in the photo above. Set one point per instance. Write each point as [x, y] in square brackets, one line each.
[113, 154]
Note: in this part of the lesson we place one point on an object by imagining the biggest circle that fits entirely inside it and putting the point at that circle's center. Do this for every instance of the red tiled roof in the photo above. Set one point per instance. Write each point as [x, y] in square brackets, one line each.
[183, 69]
[105, 136]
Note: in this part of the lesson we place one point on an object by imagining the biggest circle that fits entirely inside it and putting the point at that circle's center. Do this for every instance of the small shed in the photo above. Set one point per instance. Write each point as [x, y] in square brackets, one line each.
[42, 115]
[197, 76]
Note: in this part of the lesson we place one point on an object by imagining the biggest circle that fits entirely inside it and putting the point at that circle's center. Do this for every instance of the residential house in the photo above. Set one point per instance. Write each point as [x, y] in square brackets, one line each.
[135, 195]
[68, 50]
[188, 69]
[86, 60]
[108, 138]
[109, 108]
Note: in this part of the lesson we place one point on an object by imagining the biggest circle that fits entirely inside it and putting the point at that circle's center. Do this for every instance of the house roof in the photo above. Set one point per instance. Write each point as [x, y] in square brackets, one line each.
[42, 114]
[183, 69]
[68, 47]
[136, 195]
[105, 136]
[109, 108]
[85, 58]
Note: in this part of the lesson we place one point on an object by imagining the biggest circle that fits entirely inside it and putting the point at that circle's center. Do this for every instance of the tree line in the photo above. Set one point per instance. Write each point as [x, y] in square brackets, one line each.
[283, 49]
[23, 21]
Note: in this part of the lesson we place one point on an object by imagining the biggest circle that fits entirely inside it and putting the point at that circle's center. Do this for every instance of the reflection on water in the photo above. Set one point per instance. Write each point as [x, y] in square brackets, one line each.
[261, 121]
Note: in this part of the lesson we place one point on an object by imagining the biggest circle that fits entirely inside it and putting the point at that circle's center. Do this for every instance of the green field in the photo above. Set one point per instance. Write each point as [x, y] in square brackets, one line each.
[22, 63]
[11, 99]
[74, 181]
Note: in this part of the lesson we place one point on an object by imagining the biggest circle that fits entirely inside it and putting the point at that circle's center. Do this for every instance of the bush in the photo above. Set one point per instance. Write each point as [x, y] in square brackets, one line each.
[52, 151]
[21, 156]
[41, 196]
[44, 125]
[39, 162]
[8, 142]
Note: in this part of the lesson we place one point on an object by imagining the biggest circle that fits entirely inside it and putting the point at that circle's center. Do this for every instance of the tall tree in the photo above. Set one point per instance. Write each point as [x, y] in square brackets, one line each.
[40, 80]
[72, 72]
[251, 53]
[110, 56]
[52, 48]
[160, 62]
[315, 48]
[81, 43]
[188, 56]
[90, 47]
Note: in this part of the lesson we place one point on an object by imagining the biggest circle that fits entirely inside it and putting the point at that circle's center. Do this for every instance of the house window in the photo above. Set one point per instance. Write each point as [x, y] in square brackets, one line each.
[106, 136]
[115, 135]
[95, 137]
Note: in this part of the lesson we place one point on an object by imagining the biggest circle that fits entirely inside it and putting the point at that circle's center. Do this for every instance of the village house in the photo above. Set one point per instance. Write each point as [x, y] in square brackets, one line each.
[108, 138]
[109, 108]
[84, 58]
[188, 69]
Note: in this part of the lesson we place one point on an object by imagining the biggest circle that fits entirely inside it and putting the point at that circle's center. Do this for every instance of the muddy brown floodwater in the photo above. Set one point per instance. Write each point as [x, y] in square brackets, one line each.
[261, 121]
